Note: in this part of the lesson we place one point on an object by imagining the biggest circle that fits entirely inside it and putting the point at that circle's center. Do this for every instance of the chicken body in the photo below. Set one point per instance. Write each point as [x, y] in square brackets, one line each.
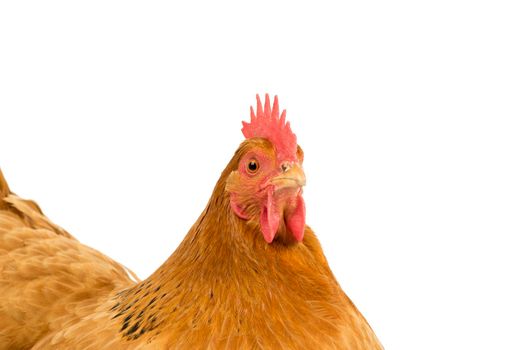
[211, 293]
[229, 285]
[48, 280]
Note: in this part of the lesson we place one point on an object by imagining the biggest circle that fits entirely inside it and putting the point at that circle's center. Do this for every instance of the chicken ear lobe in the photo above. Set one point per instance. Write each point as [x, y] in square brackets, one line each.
[269, 218]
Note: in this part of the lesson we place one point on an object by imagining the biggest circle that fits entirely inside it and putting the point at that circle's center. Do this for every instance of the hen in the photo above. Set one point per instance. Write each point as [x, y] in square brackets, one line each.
[248, 275]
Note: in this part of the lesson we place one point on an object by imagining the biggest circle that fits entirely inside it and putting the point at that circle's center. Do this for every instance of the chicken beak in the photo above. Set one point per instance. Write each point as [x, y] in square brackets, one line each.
[292, 176]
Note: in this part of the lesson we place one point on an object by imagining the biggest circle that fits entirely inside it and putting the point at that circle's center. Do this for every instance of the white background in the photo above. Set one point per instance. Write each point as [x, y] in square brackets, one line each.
[118, 117]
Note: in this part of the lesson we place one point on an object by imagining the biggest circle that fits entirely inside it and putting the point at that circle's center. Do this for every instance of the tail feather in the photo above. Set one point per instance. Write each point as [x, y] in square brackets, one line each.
[33, 215]
[4, 192]
[4, 188]
[26, 209]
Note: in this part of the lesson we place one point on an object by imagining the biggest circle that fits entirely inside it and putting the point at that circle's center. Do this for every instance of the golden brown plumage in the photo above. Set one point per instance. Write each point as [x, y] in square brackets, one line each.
[48, 280]
[224, 287]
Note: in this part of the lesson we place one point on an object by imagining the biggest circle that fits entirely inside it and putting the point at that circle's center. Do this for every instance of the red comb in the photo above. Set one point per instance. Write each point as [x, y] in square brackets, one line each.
[269, 125]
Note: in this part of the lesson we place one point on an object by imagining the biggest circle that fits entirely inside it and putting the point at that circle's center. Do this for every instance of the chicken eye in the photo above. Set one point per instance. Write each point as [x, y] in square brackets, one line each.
[252, 166]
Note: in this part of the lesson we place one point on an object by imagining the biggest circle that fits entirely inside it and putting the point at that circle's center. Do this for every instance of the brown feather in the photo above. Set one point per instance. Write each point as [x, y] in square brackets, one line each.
[223, 288]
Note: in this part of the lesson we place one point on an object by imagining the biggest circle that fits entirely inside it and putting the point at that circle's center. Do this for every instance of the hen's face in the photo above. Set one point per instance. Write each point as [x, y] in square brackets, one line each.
[269, 190]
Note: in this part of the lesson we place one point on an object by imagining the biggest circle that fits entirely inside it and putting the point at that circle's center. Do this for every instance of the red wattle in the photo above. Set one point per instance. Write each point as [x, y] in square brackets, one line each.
[269, 218]
[296, 220]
